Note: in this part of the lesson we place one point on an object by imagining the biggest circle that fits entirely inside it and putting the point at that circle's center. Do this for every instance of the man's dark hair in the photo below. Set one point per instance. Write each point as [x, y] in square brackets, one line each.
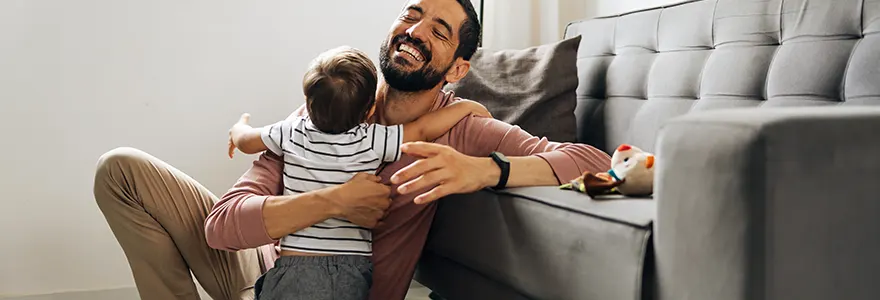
[470, 32]
[340, 89]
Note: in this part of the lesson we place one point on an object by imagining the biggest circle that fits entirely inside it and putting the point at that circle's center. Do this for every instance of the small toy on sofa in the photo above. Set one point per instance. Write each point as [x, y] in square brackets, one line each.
[631, 174]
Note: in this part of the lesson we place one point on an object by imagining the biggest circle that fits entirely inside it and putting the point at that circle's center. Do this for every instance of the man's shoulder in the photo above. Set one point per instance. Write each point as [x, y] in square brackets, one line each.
[472, 133]
[446, 98]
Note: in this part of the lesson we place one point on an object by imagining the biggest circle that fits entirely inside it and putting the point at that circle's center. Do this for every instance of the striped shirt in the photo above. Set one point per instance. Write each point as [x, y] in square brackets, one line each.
[315, 160]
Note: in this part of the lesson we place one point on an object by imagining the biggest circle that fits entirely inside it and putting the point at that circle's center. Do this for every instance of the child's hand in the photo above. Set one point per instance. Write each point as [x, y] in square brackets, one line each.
[477, 108]
[243, 121]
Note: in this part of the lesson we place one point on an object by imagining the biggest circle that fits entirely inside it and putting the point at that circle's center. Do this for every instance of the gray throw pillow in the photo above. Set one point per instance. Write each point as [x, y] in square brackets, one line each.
[533, 88]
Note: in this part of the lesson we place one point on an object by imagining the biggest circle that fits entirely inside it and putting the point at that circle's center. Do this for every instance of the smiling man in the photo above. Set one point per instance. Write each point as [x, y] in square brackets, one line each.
[165, 220]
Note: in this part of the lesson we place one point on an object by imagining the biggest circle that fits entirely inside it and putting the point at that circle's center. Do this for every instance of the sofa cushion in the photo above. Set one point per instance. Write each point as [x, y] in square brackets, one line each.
[533, 88]
[640, 70]
[547, 243]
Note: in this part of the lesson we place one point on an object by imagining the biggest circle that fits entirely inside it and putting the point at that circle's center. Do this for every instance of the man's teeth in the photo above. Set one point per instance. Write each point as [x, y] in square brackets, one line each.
[411, 51]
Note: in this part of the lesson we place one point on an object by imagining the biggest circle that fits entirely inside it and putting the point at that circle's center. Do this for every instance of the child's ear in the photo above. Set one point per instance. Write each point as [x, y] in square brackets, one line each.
[370, 112]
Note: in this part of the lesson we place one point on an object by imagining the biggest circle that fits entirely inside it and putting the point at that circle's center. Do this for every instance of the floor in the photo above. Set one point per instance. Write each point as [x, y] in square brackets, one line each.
[417, 292]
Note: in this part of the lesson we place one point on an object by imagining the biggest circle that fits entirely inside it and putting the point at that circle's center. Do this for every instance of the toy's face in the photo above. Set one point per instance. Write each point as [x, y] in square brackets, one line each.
[630, 157]
[623, 154]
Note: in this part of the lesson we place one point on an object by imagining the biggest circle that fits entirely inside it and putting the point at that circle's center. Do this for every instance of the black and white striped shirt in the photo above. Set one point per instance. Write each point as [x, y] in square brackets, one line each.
[315, 160]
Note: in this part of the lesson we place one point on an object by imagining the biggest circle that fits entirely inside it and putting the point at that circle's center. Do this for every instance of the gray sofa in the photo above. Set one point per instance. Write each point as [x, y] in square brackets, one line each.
[764, 119]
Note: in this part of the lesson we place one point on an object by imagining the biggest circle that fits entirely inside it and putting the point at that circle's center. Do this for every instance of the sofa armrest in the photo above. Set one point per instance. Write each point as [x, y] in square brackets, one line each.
[774, 203]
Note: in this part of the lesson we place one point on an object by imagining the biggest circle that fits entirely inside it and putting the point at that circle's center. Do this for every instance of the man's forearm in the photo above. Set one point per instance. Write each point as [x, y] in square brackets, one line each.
[481, 136]
[524, 171]
[283, 215]
[530, 171]
[450, 172]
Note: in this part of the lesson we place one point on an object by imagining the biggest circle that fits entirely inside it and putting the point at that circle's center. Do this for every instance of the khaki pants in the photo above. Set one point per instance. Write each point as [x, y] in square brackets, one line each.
[157, 214]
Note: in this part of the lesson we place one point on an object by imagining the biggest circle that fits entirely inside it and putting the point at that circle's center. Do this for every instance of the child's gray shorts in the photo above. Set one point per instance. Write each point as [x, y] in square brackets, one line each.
[343, 277]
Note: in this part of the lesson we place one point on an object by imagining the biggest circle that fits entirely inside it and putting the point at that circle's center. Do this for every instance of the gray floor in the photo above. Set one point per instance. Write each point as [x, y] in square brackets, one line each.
[417, 292]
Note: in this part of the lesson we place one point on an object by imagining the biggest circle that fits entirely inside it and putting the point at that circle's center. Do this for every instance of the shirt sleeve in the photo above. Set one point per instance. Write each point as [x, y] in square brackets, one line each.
[478, 136]
[236, 221]
[386, 141]
[276, 134]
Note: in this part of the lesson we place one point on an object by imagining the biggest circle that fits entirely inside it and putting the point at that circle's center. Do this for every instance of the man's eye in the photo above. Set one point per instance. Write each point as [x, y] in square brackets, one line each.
[439, 34]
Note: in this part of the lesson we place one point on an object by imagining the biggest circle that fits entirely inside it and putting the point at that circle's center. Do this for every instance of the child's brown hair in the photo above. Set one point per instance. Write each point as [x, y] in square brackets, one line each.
[340, 89]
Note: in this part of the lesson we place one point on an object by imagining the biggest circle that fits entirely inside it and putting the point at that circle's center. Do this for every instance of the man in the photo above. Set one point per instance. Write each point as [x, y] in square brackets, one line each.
[156, 212]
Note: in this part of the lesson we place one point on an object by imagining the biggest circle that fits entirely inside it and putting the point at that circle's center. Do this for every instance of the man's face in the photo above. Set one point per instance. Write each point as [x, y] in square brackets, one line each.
[421, 45]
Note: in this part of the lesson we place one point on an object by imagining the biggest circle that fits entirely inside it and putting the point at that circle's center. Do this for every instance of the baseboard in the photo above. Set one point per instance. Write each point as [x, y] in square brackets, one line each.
[129, 293]
[126, 293]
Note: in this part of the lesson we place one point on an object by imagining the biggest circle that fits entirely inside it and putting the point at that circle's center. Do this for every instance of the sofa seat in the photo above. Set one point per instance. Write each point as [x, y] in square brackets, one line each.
[540, 242]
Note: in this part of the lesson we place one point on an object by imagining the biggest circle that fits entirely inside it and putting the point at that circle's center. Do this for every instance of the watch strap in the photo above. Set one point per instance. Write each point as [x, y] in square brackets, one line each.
[504, 166]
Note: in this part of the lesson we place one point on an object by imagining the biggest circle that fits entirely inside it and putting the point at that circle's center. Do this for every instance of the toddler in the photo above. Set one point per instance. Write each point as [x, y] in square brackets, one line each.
[330, 260]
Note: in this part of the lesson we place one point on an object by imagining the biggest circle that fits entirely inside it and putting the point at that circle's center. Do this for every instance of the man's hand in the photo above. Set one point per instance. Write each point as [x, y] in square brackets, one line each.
[448, 169]
[362, 200]
[243, 122]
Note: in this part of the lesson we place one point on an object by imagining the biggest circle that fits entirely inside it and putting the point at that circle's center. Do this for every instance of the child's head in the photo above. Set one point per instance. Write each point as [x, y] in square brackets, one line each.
[340, 89]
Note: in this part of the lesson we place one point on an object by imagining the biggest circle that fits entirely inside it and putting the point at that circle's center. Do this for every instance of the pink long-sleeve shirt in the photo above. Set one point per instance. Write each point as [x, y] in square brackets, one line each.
[236, 221]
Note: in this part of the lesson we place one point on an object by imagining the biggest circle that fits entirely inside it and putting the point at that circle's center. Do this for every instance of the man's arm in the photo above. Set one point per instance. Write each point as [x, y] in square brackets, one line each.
[534, 161]
[248, 216]
[236, 221]
[480, 136]
[251, 214]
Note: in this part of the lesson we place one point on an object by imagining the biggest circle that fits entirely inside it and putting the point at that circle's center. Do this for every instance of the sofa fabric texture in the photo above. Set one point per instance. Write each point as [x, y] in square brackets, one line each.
[763, 116]
[532, 88]
[787, 204]
[546, 242]
[639, 70]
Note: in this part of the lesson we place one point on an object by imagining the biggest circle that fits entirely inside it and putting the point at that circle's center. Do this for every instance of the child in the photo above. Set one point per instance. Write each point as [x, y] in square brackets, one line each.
[330, 260]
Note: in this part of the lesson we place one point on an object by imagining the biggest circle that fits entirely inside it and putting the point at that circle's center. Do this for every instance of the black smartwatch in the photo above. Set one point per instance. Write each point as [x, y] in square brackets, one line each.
[504, 165]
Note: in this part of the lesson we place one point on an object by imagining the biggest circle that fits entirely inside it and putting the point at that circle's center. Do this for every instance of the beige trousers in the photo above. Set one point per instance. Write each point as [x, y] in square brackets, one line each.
[157, 214]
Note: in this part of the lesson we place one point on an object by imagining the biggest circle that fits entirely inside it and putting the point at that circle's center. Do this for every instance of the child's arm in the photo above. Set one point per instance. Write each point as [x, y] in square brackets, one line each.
[434, 124]
[246, 138]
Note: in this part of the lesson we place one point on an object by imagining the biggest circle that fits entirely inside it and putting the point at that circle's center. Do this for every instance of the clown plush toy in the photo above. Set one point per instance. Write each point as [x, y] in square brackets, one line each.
[631, 174]
[636, 167]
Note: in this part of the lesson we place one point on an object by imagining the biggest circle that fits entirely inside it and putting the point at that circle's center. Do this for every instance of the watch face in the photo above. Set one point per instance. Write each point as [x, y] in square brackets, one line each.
[501, 156]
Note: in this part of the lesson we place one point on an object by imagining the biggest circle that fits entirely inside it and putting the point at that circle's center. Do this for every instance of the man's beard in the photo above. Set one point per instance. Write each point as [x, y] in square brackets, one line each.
[422, 79]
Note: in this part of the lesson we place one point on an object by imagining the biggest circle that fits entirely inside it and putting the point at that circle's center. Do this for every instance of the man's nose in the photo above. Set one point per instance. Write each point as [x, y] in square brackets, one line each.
[417, 31]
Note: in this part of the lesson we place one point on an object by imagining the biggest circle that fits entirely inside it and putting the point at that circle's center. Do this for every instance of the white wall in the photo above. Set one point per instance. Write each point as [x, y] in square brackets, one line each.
[78, 78]
[516, 24]
[613, 7]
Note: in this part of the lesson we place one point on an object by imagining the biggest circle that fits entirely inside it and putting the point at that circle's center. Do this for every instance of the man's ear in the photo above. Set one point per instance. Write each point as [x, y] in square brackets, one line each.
[458, 70]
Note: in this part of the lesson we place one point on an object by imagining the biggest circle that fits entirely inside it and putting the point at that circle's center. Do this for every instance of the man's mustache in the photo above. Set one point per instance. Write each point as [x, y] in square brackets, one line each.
[418, 44]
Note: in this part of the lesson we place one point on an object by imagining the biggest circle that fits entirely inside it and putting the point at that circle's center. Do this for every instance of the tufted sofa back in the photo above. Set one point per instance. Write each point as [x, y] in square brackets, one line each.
[640, 69]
